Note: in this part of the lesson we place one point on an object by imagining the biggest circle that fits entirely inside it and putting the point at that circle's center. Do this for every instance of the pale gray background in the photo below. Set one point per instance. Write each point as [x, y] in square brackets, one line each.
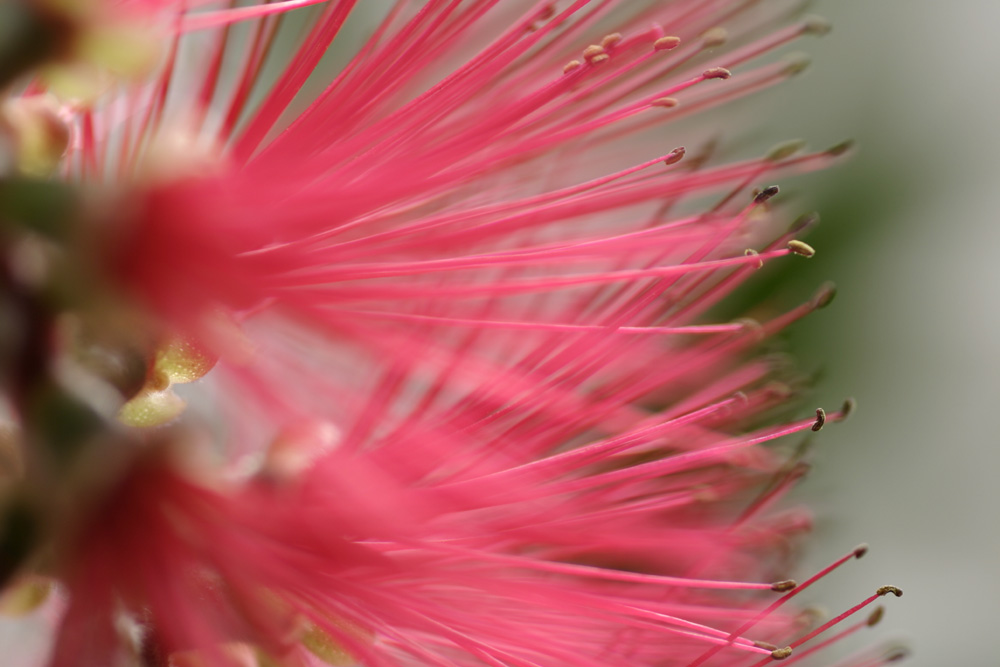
[915, 330]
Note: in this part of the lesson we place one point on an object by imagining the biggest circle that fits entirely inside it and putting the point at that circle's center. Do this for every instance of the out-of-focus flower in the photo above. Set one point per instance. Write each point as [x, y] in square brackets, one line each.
[467, 406]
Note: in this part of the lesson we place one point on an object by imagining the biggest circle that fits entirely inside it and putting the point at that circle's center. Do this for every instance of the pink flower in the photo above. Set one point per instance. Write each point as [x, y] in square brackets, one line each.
[470, 404]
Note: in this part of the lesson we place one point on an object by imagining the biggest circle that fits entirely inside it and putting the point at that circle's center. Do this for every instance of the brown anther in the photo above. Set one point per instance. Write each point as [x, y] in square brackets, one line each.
[716, 73]
[796, 63]
[674, 156]
[742, 398]
[667, 43]
[824, 296]
[801, 248]
[751, 326]
[599, 59]
[765, 194]
[840, 148]
[785, 149]
[714, 37]
[885, 590]
[876, 616]
[803, 222]
[849, 406]
[750, 252]
[896, 653]
[812, 615]
[778, 390]
[820, 419]
[781, 653]
[593, 51]
[664, 102]
[611, 40]
[815, 25]
[572, 66]
[784, 586]
[765, 645]
[860, 550]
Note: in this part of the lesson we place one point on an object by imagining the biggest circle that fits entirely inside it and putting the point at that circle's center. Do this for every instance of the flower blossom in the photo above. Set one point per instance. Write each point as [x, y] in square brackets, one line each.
[465, 404]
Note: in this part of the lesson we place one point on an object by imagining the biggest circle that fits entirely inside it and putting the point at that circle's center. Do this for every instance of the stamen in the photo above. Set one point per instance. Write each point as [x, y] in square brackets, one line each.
[848, 408]
[796, 63]
[716, 73]
[841, 148]
[824, 296]
[785, 150]
[781, 653]
[224, 17]
[801, 248]
[855, 553]
[667, 43]
[611, 40]
[816, 25]
[714, 37]
[803, 222]
[593, 52]
[572, 66]
[767, 193]
[665, 102]
[820, 419]
[674, 156]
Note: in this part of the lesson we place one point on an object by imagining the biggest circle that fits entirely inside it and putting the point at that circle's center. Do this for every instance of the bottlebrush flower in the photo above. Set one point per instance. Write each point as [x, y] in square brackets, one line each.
[468, 407]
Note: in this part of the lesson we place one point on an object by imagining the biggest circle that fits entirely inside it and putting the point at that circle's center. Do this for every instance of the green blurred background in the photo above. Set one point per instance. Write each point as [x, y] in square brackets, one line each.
[909, 234]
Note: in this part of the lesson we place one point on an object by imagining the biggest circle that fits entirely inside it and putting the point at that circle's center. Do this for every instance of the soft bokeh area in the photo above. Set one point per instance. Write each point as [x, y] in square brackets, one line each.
[910, 236]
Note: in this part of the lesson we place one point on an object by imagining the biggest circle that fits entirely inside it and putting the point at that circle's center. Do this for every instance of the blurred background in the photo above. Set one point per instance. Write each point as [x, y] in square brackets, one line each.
[909, 234]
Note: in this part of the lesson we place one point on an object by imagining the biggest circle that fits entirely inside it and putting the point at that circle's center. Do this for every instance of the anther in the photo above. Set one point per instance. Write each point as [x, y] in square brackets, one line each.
[768, 646]
[885, 590]
[820, 419]
[789, 584]
[796, 63]
[785, 149]
[714, 37]
[611, 40]
[824, 296]
[841, 148]
[742, 398]
[593, 52]
[876, 616]
[597, 60]
[849, 406]
[751, 326]
[781, 653]
[896, 653]
[860, 550]
[801, 248]
[571, 66]
[778, 390]
[674, 156]
[716, 73]
[750, 252]
[816, 25]
[765, 194]
[665, 102]
[667, 43]
[803, 222]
